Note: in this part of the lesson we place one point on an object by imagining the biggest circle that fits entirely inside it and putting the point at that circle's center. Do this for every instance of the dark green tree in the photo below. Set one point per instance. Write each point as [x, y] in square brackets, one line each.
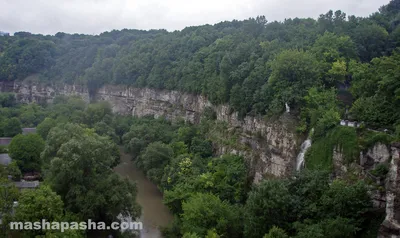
[26, 149]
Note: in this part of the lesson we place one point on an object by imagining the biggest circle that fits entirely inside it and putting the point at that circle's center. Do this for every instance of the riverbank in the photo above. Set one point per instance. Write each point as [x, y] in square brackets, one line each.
[154, 213]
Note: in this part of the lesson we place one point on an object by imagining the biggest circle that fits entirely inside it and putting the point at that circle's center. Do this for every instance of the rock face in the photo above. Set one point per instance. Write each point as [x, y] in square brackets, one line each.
[379, 153]
[270, 146]
[390, 227]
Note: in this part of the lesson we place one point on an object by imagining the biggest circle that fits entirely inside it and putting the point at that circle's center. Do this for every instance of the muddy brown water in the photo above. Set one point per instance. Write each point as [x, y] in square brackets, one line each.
[154, 213]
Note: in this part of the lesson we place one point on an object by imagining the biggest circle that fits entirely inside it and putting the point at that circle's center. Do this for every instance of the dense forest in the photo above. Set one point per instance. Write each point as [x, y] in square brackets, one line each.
[75, 150]
[254, 65]
[326, 69]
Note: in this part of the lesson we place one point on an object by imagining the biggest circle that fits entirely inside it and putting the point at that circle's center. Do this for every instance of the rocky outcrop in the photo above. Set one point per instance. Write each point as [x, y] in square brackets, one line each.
[339, 166]
[391, 225]
[379, 153]
[270, 146]
[385, 193]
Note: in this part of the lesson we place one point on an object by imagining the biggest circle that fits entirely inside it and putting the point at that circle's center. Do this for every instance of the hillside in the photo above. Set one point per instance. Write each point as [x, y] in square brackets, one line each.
[254, 65]
[215, 117]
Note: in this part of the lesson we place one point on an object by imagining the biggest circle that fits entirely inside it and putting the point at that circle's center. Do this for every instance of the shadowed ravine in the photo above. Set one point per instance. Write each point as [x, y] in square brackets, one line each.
[154, 212]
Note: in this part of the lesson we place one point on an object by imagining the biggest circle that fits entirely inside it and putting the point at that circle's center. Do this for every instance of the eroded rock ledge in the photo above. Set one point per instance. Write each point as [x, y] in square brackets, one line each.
[271, 146]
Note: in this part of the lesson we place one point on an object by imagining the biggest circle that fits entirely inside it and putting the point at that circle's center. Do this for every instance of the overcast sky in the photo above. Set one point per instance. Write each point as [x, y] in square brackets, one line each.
[96, 16]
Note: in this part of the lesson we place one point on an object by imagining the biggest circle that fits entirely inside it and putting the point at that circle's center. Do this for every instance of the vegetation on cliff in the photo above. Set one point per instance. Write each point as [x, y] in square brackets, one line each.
[254, 65]
[324, 69]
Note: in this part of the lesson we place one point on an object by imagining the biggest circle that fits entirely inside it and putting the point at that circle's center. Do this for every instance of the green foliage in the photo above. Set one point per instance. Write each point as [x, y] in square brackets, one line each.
[268, 205]
[212, 234]
[154, 158]
[370, 40]
[81, 173]
[276, 232]
[121, 126]
[37, 204]
[369, 138]
[206, 211]
[25, 150]
[376, 85]
[31, 115]
[381, 170]
[26, 56]
[293, 72]
[320, 110]
[190, 235]
[346, 200]
[14, 171]
[7, 100]
[3, 149]
[67, 109]
[332, 228]
[8, 194]
[201, 147]
[226, 177]
[104, 129]
[311, 207]
[43, 203]
[209, 113]
[344, 139]
[145, 131]
[229, 62]
[12, 127]
[44, 127]
[97, 112]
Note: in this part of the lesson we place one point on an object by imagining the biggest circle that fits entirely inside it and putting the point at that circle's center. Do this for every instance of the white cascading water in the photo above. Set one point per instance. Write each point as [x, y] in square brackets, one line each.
[304, 147]
[287, 108]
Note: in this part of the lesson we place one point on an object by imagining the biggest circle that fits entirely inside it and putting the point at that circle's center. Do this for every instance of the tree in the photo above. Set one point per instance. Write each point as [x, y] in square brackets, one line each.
[14, 171]
[44, 127]
[97, 112]
[8, 194]
[43, 203]
[201, 147]
[376, 87]
[37, 204]
[31, 114]
[103, 129]
[370, 41]
[81, 173]
[347, 201]
[319, 103]
[206, 211]
[7, 100]
[331, 228]
[12, 127]
[276, 232]
[226, 177]
[121, 126]
[268, 205]
[154, 158]
[26, 149]
[293, 72]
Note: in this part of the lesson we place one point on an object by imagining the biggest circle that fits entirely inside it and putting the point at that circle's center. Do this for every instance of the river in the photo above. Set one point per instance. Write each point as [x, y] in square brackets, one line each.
[154, 213]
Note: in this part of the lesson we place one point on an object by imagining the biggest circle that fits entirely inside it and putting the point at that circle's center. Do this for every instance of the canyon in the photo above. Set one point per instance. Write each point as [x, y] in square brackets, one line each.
[269, 145]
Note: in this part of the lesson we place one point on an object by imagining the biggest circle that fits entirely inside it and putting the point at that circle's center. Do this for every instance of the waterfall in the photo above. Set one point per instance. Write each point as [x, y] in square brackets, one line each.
[304, 147]
[287, 108]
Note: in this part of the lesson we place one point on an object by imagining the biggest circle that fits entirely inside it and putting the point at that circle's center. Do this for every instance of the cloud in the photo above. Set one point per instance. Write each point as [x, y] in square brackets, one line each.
[96, 16]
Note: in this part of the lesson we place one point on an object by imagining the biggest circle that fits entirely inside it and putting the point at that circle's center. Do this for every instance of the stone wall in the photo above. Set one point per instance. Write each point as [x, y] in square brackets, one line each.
[271, 146]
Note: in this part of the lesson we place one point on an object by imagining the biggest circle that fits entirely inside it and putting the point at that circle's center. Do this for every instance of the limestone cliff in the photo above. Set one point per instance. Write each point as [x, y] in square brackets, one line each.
[391, 225]
[386, 198]
[270, 146]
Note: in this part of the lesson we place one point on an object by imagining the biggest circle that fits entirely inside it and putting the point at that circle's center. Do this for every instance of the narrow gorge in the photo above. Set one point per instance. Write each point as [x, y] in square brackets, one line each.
[271, 147]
